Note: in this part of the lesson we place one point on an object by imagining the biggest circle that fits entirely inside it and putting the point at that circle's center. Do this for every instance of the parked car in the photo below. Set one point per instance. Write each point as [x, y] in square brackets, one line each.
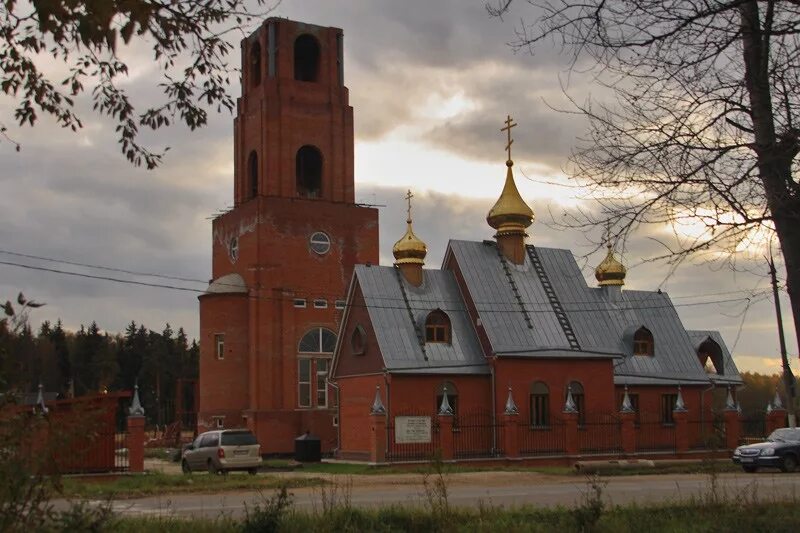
[223, 451]
[781, 450]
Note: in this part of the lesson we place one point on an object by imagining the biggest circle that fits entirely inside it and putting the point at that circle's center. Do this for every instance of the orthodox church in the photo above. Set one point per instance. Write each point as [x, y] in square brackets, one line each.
[303, 331]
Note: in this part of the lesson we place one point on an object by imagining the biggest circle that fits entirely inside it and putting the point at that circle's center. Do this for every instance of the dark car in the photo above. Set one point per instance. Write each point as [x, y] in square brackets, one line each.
[781, 450]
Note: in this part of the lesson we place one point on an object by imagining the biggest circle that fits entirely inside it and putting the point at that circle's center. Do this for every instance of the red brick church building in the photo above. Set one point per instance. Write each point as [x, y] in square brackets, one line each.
[302, 330]
[284, 255]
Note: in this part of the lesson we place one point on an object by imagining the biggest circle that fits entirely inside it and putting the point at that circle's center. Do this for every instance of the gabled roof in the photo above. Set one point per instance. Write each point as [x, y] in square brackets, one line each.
[544, 308]
[398, 311]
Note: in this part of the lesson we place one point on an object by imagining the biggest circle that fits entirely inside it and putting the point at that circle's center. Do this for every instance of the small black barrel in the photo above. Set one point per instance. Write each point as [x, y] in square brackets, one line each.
[307, 448]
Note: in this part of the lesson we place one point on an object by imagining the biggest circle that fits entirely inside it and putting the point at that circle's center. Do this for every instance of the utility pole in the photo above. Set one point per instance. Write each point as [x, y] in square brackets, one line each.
[788, 377]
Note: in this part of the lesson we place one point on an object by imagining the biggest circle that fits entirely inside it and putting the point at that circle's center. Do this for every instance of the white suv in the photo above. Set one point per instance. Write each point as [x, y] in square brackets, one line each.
[222, 451]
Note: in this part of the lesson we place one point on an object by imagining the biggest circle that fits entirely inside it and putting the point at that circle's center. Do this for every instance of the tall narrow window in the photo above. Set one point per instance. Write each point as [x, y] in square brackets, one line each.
[315, 350]
[540, 405]
[255, 64]
[306, 58]
[219, 345]
[308, 171]
[322, 384]
[580, 401]
[437, 327]
[252, 174]
[643, 342]
[667, 405]
[304, 383]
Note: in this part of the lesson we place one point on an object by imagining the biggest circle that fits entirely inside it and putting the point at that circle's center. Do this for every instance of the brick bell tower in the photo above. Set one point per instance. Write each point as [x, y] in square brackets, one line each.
[283, 256]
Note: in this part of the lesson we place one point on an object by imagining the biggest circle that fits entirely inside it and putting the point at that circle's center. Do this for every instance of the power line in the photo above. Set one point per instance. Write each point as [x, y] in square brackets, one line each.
[546, 310]
[751, 293]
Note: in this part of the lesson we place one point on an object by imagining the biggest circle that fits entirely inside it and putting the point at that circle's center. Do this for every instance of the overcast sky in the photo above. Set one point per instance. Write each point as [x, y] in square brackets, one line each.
[431, 82]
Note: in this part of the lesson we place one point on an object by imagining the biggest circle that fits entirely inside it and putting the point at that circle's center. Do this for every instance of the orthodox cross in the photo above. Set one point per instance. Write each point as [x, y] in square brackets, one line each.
[509, 124]
[408, 198]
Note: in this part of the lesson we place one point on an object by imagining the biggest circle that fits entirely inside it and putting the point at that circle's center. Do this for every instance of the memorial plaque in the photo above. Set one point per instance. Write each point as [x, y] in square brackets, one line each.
[412, 429]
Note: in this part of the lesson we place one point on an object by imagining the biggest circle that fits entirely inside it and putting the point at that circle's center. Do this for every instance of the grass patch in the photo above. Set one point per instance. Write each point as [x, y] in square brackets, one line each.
[151, 484]
[772, 517]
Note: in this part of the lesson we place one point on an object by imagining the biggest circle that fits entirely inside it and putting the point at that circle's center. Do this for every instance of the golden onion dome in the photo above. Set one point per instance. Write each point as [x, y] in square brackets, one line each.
[510, 214]
[610, 271]
[409, 249]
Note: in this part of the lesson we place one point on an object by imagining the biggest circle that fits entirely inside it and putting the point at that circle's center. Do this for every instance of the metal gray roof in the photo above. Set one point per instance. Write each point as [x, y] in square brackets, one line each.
[398, 310]
[544, 307]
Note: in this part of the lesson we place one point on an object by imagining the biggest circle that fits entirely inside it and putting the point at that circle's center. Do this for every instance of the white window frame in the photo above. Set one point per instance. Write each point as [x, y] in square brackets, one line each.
[319, 243]
[219, 346]
[340, 304]
[300, 303]
[320, 303]
[219, 422]
[324, 377]
[300, 362]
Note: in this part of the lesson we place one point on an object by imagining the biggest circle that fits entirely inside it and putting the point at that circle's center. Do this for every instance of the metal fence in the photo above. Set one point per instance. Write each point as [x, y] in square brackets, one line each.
[476, 434]
[600, 433]
[542, 440]
[652, 434]
[103, 451]
[706, 434]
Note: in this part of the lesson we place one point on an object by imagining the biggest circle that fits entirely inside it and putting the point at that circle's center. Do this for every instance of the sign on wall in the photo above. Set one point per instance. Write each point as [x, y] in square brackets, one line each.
[412, 429]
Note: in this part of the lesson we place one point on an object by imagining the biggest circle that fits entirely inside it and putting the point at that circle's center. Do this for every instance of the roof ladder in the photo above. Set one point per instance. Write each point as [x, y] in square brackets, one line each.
[420, 338]
[514, 289]
[558, 310]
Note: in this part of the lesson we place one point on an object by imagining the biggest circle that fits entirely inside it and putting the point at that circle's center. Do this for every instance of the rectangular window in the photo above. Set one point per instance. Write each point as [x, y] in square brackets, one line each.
[219, 421]
[339, 304]
[540, 410]
[322, 385]
[299, 302]
[320, 303]
[219, 345]
[304, 382]
[667, 405]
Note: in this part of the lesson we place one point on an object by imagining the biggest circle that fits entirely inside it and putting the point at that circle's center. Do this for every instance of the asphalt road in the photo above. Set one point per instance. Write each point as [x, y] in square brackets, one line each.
[468, 490]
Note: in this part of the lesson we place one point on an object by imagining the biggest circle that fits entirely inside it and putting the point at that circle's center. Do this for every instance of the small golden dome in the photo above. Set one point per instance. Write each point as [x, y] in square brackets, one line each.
[510, 214]
[409, 249]
[610, 271]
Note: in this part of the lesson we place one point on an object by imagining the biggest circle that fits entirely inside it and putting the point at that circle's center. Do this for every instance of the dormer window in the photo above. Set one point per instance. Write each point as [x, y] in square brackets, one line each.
[437, 327]
[643, 342]
[710, 355]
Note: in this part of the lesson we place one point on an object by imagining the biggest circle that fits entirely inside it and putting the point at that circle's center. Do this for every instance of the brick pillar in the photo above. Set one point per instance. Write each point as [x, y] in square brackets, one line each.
[628, 432]
[776, 419]
[446, 444]
[136, 443]
[377, 449]
[570, 433]
[733, 428]
[510, 440]
[681, 419]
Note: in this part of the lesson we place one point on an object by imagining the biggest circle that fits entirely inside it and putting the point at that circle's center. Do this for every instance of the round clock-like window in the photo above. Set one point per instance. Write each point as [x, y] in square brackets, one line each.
[233, 249]
[319, 243]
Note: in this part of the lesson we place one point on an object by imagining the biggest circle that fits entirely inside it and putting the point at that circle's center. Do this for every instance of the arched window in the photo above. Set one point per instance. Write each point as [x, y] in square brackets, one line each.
[312, 372]
[252, 174]
[540, 404]
[579, 399]
[710, 355]
[437, 327]
[255, 64]
[358, 340]
[452, 396]
[308, 171]
[643, 342]
[306, 58]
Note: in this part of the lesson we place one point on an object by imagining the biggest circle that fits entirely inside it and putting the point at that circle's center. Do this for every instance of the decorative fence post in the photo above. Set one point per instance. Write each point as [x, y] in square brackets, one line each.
[776, 414]
[628, 416]
[445, 416]
[510, 429]
[681, 418]
[733, 423]
[136, 434]
[377, 449]
[570, 413]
